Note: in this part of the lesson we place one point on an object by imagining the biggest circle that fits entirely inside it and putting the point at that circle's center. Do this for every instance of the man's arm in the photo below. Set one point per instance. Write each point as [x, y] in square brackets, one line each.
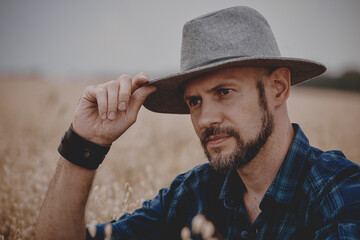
[103, 114]
[63, 212]
[337, 213]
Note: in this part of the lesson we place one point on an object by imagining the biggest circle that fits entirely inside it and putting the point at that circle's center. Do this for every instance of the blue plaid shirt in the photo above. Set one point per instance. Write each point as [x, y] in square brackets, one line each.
[315, 195]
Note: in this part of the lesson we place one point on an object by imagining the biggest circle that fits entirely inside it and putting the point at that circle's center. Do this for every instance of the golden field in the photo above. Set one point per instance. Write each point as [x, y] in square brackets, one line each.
[35, 113]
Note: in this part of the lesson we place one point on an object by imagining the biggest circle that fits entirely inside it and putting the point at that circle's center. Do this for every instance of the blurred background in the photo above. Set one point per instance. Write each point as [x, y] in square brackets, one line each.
[51, 50]
[91, 37]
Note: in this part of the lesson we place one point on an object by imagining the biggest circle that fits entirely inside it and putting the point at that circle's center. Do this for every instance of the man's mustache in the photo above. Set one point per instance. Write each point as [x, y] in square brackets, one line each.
[218, 131]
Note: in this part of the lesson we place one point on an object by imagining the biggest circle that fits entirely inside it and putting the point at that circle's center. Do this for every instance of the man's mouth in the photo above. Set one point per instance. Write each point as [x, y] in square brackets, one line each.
[216, 140]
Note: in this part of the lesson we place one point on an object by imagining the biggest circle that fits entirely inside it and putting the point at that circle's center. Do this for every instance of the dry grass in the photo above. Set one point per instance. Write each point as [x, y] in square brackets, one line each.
[35, 113]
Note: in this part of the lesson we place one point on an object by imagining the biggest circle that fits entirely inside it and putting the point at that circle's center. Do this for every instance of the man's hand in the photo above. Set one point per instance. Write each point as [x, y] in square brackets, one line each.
[107, 110]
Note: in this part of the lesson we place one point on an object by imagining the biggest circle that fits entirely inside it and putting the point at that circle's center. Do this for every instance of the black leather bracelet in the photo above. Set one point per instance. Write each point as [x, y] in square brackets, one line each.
[80, 151]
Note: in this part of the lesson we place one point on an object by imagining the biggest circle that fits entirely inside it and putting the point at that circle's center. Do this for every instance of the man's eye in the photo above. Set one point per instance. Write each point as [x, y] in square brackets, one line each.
[194, 101]
[223, 91]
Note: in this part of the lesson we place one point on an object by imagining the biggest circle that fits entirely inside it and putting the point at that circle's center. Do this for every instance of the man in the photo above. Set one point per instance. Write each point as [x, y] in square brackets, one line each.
[264, 180]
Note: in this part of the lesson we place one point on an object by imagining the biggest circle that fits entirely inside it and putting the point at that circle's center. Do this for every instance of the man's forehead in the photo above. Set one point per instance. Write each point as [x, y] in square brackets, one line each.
[219, 77]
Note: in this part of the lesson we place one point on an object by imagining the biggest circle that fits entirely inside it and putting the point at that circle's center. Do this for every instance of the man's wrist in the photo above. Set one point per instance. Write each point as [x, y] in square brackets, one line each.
[80, 151]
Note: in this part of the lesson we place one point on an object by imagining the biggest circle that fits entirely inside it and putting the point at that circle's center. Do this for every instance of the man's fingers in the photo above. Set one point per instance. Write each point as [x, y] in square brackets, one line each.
[112, 97]
[124, 92]
[117, 95]
[139, 80]
[138, 98]
[102, 101]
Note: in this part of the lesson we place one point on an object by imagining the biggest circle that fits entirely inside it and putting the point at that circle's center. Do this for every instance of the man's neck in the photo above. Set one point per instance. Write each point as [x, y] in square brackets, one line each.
[261, 171]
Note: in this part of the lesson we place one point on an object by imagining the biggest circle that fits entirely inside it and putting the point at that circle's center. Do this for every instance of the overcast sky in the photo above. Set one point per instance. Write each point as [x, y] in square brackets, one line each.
[117, 36]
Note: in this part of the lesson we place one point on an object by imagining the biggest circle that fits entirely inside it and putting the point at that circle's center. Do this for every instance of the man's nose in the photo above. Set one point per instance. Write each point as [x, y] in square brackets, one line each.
[210, 116]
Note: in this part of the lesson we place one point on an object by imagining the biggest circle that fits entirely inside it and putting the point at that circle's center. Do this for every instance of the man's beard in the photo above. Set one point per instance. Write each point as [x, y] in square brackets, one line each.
[244, 152]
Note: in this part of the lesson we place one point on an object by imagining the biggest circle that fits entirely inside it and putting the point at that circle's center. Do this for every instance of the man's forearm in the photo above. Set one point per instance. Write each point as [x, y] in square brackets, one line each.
[62, 215]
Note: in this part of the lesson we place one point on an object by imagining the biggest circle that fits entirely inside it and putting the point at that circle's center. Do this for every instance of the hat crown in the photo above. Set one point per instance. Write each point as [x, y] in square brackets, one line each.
[230, 33]
[233, 37]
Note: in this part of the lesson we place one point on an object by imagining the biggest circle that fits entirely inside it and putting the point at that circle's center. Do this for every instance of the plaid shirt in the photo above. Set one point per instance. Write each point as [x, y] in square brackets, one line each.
[315, 195]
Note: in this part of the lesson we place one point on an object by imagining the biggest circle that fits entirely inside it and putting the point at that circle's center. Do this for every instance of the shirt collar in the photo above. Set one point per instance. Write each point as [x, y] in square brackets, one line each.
[282, 189]
[232, 191]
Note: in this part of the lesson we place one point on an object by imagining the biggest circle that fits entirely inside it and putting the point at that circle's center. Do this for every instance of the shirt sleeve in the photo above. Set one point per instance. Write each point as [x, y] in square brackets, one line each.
[339, 208]
[147, 222]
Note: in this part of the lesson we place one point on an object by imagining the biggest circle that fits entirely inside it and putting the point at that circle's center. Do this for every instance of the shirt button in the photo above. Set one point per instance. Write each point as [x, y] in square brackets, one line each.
[244, 234]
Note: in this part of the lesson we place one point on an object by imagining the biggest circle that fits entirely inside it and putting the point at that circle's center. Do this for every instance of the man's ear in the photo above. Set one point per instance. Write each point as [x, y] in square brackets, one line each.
[281, 82]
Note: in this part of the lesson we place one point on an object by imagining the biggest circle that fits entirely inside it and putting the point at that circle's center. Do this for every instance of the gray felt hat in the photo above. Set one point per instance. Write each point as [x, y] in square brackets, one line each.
[232, 37]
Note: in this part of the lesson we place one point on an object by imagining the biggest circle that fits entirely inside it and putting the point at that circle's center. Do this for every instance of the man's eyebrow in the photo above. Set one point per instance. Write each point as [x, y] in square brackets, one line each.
[213, 89]
[188, 97]
[221, 85]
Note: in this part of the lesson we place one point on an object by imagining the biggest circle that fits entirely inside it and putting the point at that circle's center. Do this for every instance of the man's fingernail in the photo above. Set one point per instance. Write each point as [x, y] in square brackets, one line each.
[103, 116]
[122, 106]
[111, 116]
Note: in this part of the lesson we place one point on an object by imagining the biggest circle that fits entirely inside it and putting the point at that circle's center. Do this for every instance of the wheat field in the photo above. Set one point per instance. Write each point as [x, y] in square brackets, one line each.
[36, 112]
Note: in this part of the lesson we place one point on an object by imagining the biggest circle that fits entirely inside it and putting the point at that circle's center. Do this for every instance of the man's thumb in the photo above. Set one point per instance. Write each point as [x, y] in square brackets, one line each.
[139, 96]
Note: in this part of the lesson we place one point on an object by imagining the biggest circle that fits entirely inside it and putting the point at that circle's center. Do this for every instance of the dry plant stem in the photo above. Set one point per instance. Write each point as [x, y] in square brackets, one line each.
[62, 215]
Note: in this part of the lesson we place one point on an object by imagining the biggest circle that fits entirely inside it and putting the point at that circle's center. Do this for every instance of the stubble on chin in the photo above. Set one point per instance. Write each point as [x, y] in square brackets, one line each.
[222, 162]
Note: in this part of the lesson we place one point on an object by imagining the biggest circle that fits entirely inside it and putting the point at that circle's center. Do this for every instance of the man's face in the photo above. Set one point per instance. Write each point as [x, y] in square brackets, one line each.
[230, 115]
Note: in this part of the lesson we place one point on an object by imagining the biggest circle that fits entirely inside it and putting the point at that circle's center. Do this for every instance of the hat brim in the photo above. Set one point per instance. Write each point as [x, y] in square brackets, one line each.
[168, 99]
